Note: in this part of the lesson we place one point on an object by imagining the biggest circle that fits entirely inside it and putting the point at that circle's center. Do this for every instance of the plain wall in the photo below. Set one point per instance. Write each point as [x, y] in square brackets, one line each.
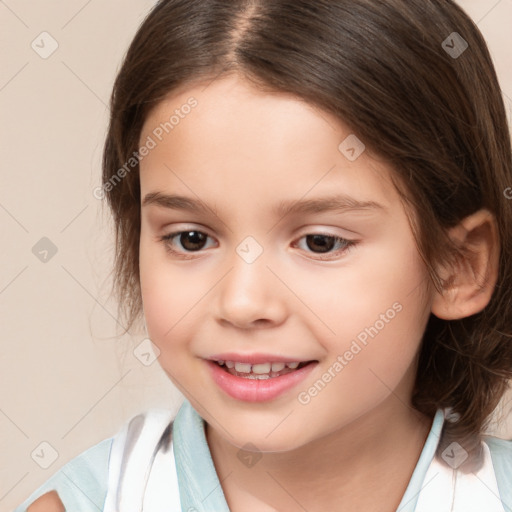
[66, 377]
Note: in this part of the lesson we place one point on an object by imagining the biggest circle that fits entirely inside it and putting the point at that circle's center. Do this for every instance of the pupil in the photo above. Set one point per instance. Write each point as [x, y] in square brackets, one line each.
[195, 237]
[325, 243]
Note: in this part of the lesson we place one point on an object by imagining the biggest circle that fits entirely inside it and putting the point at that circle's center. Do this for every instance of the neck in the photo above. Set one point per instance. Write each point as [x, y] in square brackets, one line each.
[365, 465]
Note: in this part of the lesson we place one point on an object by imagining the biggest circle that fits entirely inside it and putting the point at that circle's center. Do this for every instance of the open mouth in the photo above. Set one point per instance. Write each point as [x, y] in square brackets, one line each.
[261, 371]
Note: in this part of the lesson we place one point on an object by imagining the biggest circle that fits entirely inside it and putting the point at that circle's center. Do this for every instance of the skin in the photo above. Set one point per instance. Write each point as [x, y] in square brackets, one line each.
[49, 502]
[242, 151]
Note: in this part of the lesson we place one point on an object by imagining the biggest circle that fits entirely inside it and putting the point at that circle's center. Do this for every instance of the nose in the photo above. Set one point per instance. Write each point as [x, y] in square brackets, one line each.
[250, 295]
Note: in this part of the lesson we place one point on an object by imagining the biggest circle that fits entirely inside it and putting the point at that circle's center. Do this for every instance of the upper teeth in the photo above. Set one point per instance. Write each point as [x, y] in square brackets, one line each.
[259, 368]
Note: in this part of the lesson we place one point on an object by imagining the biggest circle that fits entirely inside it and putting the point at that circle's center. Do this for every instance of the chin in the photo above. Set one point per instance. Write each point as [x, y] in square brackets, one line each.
[258, 439]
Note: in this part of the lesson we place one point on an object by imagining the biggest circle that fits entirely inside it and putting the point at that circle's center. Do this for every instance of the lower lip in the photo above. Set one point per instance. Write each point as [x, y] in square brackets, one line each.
[256, 390]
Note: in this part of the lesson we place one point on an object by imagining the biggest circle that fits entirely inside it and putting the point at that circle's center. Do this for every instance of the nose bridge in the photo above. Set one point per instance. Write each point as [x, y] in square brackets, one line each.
[250, 292]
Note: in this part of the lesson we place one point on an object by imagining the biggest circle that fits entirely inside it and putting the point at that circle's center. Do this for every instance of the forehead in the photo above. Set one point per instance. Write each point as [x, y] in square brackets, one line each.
[255, 144]
[232, 106]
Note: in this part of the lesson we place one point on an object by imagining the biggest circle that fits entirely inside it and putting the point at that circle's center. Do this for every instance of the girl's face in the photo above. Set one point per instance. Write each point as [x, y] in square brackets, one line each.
[292, 246]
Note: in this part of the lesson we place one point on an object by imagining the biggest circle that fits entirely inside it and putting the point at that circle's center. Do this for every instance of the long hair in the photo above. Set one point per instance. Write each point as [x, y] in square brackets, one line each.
[414, 80]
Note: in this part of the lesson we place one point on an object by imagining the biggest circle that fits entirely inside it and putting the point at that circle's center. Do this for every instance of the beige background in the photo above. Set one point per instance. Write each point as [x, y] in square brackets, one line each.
[66, 378]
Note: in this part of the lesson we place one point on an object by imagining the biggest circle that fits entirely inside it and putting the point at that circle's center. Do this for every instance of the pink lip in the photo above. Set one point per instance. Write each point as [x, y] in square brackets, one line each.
[254, 390]
[254, 358]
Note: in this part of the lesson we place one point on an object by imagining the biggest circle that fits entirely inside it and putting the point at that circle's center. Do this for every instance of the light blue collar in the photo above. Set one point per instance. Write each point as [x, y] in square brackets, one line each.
[199, 485]
[200, 489]
[410, 498]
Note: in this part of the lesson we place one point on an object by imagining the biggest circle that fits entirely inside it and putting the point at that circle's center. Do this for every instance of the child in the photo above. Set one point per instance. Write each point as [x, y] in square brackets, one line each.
[311, 218]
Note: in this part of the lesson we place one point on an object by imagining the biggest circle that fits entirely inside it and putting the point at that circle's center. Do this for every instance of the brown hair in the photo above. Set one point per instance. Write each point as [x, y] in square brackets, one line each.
[383, 67]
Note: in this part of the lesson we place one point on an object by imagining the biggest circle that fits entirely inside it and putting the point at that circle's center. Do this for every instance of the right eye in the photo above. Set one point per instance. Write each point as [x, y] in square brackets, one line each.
[190, 240]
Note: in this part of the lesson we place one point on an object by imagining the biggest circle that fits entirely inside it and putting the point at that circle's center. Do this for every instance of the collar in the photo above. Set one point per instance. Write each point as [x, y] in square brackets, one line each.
[199, 485]
[443, 488]
[413, 491]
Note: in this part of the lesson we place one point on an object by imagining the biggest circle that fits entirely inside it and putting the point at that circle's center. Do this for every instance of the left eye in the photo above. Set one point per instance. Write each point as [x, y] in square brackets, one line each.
[326, 242]
[193, 241]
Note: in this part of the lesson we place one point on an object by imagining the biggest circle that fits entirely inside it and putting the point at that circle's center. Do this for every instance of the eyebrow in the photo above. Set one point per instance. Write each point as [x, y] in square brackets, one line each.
[174, 202]
[339, 203]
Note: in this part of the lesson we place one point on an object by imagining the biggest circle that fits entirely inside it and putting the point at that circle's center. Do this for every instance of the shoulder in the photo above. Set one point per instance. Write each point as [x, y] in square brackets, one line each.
[150, 420]
[501, 455]
[139, 434]
[83, 482]
[501, 450]
[80, 484]
[49, 502]
[133, 454]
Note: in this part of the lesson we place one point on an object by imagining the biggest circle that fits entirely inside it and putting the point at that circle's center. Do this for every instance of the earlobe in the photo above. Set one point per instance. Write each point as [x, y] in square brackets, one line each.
[470, 281]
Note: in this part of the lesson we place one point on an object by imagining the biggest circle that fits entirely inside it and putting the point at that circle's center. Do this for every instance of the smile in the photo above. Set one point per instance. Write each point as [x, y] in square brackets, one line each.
[259, 381]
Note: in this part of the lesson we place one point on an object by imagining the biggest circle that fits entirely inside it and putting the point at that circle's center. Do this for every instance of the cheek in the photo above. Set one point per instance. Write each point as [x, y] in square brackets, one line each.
[382, 279]
[378, 311]
[391, 332]
[168, 296]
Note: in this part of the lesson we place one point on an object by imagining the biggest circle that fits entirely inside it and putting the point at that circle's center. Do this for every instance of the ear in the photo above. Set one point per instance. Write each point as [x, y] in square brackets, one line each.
[469, 283]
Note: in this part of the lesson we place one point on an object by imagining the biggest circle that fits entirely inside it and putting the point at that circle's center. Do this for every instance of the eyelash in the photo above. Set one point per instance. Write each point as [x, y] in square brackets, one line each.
[166, 240]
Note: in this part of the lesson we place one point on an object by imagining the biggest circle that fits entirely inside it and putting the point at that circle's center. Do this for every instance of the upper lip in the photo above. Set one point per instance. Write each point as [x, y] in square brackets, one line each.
[256, 358]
